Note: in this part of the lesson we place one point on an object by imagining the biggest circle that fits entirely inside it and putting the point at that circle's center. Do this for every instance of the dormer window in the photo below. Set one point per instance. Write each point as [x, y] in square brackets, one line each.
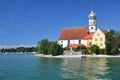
[101, 39]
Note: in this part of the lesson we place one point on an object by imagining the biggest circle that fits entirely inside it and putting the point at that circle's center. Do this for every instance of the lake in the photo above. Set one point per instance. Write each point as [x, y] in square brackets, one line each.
[29, 67]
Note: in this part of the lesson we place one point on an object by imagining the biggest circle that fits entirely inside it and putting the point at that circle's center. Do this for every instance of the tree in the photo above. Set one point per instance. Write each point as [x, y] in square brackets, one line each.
[112, 42]
[102, 51]
[55, 49]
[94, 49]
[49, 47]
[43, 46]
[85, 51]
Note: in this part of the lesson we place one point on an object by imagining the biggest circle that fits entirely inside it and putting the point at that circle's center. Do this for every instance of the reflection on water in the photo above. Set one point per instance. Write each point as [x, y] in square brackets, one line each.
[79, 68]
[30, 67]
[70, 68]
[85, 69]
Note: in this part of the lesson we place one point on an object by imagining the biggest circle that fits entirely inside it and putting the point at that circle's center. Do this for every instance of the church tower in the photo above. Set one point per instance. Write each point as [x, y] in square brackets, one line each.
[92, 22]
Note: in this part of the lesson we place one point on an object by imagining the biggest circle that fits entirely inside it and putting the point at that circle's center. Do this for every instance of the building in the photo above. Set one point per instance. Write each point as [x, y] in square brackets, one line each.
[83, 35]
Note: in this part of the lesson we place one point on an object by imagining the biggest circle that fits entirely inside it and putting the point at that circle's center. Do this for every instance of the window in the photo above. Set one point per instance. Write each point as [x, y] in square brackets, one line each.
[79, 41]
[101, 39]
[98, 34]
[68, 41]
[61, 41]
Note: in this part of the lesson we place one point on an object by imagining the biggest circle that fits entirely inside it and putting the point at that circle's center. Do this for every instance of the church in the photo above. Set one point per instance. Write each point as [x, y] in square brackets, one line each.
[83, 35]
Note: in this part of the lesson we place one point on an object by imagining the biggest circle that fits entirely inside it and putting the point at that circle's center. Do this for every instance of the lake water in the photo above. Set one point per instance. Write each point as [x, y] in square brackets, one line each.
[29, 67]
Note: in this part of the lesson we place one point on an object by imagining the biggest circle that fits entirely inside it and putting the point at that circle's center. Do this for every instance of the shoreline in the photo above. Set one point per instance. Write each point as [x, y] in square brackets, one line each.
[78, 56]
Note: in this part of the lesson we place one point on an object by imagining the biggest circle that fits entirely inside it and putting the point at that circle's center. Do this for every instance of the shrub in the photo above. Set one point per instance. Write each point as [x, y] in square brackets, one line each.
[102, 51]
[94, 49]
[85, 51]
[43, 46]
[55, 49]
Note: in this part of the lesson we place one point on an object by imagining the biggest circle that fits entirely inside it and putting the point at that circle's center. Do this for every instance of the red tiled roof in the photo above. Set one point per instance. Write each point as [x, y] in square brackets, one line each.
[105, 31]
[73, 33]
[88, 37]
[77, 33]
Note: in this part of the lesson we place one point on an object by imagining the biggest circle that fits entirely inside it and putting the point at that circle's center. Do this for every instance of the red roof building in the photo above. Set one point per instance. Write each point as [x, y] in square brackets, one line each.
[81, 35]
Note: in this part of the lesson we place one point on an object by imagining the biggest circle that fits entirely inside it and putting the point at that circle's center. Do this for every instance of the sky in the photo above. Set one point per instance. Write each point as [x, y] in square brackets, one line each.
[25, 22]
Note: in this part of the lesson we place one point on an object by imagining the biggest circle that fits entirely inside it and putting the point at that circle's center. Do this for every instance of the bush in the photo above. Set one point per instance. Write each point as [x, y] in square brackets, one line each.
[85, 51]
[94, 49]
[43, 46]
[55, 49]
[48, 47]
[102, 51]
[67, 48]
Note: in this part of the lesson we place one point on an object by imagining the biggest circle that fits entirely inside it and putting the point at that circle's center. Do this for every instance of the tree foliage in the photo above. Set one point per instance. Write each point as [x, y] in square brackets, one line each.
[85, 51]
[43, 46]
[94, 49]
[112, 42]
[55, 49]
[49, 47]
[19, 49]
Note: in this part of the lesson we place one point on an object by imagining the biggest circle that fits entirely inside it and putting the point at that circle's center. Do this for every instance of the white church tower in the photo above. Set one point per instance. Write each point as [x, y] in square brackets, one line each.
[92, 22]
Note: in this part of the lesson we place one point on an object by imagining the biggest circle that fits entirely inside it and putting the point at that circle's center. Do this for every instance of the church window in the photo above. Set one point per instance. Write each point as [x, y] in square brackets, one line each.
[68, 41]
[101, 39]
[98, 34]
[79, 41]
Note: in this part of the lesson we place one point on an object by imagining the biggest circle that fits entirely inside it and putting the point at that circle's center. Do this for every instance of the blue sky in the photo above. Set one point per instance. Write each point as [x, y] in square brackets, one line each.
[28, 21]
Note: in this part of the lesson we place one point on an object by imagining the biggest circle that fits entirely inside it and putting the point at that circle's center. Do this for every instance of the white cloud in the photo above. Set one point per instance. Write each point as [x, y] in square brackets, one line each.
[16, 46]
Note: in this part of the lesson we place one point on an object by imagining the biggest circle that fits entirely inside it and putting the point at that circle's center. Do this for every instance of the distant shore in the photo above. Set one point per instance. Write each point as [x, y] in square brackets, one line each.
[77, 56]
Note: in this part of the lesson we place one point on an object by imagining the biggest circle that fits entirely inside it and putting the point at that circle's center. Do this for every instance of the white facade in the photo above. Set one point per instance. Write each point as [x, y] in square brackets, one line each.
[65, 43]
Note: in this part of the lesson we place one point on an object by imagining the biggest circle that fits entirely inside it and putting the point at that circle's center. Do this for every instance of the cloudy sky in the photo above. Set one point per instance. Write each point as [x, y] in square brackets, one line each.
[28, 21]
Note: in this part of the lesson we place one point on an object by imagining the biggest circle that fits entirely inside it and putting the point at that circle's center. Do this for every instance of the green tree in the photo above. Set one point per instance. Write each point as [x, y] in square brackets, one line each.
[67, 48]
[85, 51]
[102, 51]
[43, 46]
[94, 49]
[55, 48]
[112, 42]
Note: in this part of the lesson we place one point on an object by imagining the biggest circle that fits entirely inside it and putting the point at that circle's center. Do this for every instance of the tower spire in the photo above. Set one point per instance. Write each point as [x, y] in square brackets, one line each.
[92, 21]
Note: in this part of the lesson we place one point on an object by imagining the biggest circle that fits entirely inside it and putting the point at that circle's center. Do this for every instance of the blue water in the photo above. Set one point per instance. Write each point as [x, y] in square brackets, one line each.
[29, 67]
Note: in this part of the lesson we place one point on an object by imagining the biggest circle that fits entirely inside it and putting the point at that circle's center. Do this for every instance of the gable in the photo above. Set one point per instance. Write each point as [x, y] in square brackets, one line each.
[99, 32]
